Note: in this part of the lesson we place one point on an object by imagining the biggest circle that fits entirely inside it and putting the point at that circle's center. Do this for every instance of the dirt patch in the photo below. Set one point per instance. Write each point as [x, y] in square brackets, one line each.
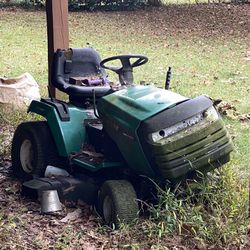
[203, 20]
[21, 217]
[217, 20]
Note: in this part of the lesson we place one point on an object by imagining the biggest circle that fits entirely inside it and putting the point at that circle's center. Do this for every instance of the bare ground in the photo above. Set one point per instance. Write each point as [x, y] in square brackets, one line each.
[217, 20]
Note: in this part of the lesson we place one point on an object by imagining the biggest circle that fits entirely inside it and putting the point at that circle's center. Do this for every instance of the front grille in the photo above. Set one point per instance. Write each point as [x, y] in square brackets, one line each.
[201, 146]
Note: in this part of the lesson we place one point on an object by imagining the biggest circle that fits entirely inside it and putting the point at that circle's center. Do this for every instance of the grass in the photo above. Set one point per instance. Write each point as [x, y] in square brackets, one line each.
[206, 59]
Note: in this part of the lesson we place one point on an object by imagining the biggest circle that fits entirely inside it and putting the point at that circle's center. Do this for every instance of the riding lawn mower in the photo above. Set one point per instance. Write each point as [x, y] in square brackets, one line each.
[115, 139]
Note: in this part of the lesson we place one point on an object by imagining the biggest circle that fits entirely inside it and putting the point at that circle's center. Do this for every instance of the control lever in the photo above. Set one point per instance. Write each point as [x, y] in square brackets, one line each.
[168, 78]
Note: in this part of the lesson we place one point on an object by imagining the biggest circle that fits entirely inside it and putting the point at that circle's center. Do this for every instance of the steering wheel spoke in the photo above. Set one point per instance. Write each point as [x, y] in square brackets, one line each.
[138, 62]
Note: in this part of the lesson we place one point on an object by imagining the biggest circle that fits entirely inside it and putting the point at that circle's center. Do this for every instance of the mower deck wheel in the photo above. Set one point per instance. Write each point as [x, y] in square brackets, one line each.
[117, 202]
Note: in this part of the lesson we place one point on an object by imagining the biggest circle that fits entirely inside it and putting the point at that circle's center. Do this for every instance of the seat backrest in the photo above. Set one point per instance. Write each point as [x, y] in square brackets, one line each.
[83, 62]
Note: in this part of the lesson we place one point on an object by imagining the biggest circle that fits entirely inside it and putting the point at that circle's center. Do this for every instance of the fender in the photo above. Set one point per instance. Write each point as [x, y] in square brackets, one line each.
[69, 134]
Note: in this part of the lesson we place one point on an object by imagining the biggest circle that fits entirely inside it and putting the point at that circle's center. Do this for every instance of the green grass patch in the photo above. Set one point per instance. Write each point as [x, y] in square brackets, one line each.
[214, 210]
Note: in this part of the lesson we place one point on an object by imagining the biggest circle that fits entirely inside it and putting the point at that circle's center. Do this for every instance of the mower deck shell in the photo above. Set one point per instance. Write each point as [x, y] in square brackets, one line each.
[69, 188]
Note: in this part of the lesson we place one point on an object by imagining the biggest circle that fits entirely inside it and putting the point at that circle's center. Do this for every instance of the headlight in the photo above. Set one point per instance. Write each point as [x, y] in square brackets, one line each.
[209, 115]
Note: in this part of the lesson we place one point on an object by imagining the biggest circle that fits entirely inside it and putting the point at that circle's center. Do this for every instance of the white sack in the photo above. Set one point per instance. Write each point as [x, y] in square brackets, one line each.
[18, 92]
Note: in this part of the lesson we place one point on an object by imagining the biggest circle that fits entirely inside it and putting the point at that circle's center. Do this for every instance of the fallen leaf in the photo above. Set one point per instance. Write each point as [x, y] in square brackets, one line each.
[72, 216]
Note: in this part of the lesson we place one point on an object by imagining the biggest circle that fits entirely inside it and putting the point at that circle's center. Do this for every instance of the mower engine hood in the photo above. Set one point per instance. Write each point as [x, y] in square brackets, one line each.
[141, 102]
[122, 113]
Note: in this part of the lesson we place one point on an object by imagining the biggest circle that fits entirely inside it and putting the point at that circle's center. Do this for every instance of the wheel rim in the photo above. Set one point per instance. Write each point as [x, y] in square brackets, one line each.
[27, 156]
[107, 209]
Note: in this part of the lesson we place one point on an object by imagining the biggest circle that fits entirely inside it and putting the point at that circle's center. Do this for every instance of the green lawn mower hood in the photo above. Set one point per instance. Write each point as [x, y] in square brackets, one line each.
[162, 134]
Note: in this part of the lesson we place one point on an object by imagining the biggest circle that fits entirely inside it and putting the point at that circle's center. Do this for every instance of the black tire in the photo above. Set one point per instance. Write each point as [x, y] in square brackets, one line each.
[117, 203]
[33, 149]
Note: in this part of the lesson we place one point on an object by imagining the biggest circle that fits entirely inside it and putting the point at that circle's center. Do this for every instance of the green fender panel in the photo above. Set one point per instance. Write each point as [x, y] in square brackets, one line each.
[68, 135]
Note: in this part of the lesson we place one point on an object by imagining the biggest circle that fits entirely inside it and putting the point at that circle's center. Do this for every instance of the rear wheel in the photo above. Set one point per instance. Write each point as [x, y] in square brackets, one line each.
[33, 149]
[117, 202]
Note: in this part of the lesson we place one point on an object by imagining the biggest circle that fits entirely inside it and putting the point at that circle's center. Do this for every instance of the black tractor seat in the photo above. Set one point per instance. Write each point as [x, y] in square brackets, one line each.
[74, 66]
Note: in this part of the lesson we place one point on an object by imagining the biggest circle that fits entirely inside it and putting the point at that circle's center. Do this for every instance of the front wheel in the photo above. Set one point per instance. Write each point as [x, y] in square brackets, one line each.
[33, 149]
[117, 202]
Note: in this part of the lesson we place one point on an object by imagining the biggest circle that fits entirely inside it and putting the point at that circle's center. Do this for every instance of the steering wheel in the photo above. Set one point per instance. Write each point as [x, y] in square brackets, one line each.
[125, 72]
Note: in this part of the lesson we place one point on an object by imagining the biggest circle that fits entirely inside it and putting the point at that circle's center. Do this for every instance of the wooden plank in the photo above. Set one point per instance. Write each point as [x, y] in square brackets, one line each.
[57, 32]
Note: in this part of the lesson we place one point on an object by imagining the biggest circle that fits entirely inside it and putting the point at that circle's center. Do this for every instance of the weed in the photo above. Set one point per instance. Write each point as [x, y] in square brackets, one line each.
[214, 210]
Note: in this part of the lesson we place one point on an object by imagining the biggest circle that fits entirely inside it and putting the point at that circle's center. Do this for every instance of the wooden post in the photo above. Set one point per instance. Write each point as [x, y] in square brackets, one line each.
[57, 31]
